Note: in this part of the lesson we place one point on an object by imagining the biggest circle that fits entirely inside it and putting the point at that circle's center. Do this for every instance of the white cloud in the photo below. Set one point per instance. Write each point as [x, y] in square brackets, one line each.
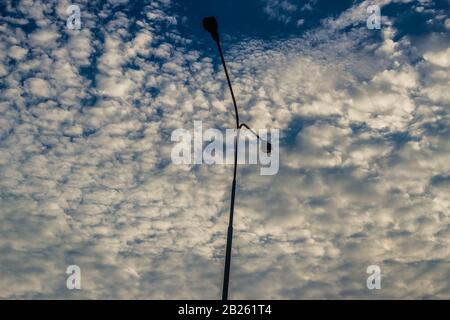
[440, 58]
[17, 52]
[280, 10]
[38, 87]
[44, 37]
[86, 177]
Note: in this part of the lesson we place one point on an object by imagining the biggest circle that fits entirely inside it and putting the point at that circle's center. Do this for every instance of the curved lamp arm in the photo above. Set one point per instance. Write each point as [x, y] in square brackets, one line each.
[268, 145]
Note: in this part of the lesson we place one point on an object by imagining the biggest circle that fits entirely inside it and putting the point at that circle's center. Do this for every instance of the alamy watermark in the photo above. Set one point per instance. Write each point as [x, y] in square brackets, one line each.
[220, 149]
[374, 20]
[74, 279]
[374, 280]
[74, 19]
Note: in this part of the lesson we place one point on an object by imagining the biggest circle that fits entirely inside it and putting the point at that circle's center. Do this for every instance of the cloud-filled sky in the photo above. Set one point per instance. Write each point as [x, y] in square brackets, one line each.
[86, 176]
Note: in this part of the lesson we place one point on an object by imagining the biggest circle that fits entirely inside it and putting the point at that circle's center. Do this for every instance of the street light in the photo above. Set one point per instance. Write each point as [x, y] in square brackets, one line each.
[210, 25]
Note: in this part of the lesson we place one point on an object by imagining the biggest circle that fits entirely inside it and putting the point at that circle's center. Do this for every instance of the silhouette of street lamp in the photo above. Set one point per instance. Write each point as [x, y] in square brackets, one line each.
[210, 25]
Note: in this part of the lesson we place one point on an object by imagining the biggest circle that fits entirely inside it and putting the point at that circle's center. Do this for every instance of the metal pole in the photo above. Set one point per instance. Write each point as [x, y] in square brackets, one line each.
[226, 273]
[229, 84]
[210, 25]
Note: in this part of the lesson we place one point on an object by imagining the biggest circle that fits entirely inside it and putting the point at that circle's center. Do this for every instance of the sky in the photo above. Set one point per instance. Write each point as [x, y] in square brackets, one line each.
[86, 176]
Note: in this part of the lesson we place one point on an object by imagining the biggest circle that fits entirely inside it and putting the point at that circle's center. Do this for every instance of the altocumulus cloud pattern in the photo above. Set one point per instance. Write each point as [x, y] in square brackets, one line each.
[85, 171]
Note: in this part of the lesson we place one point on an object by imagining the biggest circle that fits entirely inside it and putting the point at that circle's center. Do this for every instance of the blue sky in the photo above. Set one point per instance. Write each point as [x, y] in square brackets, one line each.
[86, 176]
[263, 20]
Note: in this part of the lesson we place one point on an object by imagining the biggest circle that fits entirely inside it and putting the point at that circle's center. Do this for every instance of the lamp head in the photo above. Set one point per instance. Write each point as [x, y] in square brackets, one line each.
[210, 25]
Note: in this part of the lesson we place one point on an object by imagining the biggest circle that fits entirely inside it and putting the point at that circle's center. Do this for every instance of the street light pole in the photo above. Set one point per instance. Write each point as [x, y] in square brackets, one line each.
[210, 25]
